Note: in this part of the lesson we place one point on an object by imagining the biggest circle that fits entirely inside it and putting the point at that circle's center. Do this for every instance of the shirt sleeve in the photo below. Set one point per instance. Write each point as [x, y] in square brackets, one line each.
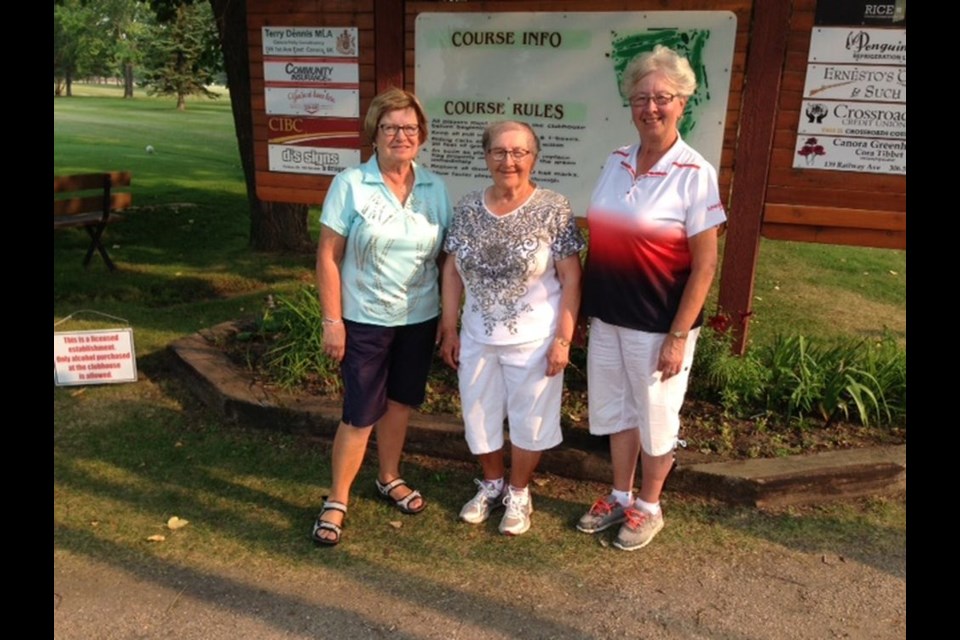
[338, 211]
[568, 240]
[704, 206]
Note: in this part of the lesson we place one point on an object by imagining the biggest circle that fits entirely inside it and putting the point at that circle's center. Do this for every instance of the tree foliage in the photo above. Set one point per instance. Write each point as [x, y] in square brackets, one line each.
[183, 54]
[77, 43]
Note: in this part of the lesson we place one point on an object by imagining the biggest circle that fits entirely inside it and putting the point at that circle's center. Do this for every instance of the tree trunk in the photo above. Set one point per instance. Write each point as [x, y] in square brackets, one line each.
[274, 226]
[127, 79]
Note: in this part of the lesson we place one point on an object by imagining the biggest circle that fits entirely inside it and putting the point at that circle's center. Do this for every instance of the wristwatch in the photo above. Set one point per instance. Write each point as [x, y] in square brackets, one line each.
[679, 334]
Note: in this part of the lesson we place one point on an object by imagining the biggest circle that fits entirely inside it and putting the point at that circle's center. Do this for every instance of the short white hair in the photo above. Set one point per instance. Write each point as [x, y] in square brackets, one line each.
[676, 68]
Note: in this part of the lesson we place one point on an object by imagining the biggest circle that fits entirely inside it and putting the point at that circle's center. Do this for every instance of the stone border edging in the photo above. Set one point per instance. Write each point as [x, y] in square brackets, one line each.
[764, 482]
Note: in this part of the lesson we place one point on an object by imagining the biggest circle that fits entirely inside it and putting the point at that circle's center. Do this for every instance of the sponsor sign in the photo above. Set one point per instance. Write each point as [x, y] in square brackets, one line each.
[854, 113]
[855, 45]
[871, 119]
[313, 132]
[310, 101]
[878, 12]
[321, 72]
[856, 82]
[305, 159]
[94, 357]
[312, 95]
[852, 154]
[310, 41]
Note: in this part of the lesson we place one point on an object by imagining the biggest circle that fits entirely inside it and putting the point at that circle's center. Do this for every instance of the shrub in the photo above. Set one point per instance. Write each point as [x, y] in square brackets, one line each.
[295, 327]
[799, 378]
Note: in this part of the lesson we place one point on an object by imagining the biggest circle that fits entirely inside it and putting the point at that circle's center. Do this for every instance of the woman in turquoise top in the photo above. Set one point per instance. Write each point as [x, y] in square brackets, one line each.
[381, 231]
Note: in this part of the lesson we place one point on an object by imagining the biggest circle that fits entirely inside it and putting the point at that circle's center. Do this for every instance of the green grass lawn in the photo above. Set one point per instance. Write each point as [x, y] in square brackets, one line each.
[127, 457]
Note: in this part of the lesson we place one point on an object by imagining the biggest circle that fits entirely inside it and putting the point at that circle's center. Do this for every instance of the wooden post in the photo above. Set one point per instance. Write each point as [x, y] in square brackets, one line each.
[388, 26]
[758, 113]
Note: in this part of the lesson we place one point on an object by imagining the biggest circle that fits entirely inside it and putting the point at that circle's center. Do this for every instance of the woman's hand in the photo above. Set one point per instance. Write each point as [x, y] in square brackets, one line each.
[558, 357]
[334, 340]
[450, 347]
[671, 356]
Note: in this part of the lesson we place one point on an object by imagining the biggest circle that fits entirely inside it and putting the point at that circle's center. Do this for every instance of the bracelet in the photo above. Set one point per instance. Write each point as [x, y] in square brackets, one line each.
[562, 341]
[332, 321]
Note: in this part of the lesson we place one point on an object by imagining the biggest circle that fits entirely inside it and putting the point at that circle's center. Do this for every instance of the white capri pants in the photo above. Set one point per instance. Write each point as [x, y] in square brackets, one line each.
[625, 390]
[509, 381]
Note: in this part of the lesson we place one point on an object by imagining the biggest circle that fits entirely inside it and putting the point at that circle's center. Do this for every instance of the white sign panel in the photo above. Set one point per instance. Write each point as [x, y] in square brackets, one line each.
[94, 357]
[852, 154]
[855, 45]
[856, 82]
[318, 160]
[310, 41]
[325, 72]
[871, 119]
[559, 72]
[308, 101]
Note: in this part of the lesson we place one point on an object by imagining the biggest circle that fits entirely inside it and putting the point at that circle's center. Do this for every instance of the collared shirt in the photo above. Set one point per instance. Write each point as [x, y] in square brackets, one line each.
[639, 259]
[389, 273]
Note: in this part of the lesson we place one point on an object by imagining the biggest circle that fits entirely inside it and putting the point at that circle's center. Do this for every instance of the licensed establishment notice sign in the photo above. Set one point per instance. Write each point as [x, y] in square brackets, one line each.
[854, 111]
[94, 357]
[312, 96]
[559, 72]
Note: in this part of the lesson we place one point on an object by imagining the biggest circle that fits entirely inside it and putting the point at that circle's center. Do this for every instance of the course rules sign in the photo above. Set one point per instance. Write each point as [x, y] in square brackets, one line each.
[559, 72]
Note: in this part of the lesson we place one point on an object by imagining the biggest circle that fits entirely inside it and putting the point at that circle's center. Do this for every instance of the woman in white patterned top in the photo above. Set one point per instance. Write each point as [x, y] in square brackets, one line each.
[516, 256]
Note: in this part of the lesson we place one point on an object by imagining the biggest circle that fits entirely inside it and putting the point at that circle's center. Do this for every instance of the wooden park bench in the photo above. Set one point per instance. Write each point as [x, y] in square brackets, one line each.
[91, 201]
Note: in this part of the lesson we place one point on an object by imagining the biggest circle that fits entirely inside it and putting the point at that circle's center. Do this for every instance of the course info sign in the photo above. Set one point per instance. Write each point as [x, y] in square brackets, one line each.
[559, 72]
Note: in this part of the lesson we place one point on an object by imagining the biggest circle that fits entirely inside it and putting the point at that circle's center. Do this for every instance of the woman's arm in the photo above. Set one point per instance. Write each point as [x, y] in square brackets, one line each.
[703, 266]
[330, 250]
[568, 272]
[451, 291]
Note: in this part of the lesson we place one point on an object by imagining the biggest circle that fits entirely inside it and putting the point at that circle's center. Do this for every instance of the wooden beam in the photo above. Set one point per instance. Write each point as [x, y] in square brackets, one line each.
[835, 217]
[751, 164]
[388, 28]
[878, 238]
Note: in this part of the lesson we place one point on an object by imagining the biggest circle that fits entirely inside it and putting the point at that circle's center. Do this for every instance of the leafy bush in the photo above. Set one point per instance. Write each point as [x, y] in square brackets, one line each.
[797, 377]
[295, 326]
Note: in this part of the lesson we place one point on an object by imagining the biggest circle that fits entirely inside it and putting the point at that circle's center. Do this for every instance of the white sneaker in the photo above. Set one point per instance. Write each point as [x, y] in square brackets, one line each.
[516, 519]
[479, 508]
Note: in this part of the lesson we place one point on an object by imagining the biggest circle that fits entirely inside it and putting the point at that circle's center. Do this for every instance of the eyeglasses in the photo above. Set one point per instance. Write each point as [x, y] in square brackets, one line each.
[393, 129]
[501, 154]
[661, 99]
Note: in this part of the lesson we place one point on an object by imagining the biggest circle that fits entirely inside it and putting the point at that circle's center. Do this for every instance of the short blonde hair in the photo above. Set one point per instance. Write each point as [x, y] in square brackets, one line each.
[671, 64]
[393, 100]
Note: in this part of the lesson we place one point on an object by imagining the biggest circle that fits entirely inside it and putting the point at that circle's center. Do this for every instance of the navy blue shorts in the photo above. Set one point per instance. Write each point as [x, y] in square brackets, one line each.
[384, 363]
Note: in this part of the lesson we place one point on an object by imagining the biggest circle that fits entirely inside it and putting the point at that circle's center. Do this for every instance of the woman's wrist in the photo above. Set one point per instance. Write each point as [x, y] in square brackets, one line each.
[333, 321]
[563, 341]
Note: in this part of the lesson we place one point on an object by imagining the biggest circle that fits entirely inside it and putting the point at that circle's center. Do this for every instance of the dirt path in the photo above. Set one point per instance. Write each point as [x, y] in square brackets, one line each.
[713, 587]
